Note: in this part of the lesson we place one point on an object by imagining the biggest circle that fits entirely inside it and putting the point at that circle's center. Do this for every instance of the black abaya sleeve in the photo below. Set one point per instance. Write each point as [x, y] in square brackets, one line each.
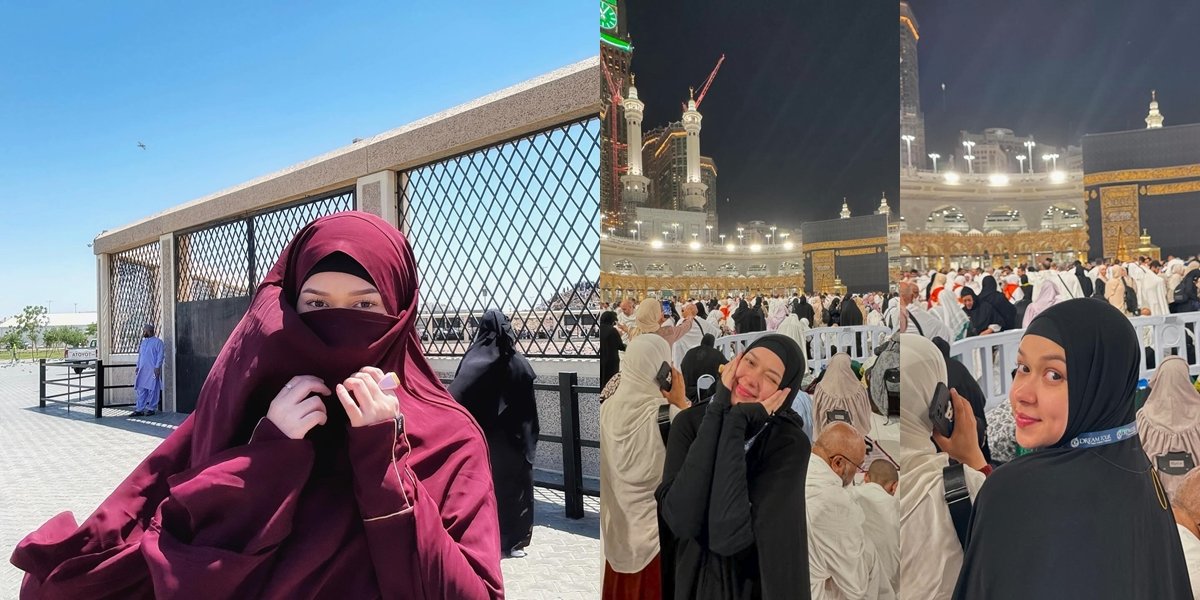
[688, 469]
[730, 524]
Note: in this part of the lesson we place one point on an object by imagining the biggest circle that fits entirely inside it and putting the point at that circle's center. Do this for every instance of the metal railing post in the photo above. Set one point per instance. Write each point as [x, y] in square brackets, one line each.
[42, 383]
[572, 456]
[99, 388]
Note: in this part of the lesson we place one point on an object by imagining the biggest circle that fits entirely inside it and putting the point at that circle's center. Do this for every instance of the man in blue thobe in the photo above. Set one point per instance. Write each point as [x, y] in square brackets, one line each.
[148, 378]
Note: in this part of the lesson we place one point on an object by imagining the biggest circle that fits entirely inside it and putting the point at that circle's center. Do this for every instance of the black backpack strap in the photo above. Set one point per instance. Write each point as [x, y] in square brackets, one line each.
[664, 421]
[913, 320]
[958, 499]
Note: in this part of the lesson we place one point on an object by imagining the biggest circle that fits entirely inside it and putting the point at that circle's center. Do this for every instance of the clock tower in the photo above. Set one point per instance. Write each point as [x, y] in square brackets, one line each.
[615, 54]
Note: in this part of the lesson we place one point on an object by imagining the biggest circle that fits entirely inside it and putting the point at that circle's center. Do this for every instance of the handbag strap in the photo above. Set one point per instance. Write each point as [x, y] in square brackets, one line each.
[958, 500]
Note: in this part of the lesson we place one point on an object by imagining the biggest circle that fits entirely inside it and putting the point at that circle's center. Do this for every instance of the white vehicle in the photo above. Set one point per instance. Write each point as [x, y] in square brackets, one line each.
[81, 357]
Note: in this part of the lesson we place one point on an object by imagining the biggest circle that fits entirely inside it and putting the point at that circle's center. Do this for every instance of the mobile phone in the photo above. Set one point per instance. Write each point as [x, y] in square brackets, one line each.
[664, 377]
[667, 307]
[941, 410]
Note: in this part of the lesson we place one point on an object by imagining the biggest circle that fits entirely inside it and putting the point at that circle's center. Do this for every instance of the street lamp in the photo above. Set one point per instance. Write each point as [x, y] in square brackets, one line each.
[769, 239]
[934, 156]
[676, 228]
[1053, 161]
[970, 165]
[1021, 159]
[1046, 159]
[639, 229]
[722, 236]
[740, 242]
[709, 228]
[1029, 144]
[740, 230]
[908, 140]
[772, 233]
[968, 144]
[612, 231]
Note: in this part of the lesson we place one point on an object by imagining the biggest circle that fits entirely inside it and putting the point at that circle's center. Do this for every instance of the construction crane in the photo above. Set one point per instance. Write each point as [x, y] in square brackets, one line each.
[707, 83]
[615, 100]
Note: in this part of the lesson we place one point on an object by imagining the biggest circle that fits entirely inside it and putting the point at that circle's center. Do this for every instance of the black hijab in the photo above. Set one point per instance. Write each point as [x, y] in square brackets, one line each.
[981, 314]
[495, 383]
[804, 310]
[1085, 283]
[611, 346]
[732, 521]
[1066, 522]
[850, 314]
[1004, 309]
[700, 312]
[702, 360]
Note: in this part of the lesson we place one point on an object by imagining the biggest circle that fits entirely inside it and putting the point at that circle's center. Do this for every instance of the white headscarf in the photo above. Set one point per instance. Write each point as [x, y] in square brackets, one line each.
[794, 327]
[631, 458]
[646, 317]
[930, 555]
[1045, 295]
[951, 313]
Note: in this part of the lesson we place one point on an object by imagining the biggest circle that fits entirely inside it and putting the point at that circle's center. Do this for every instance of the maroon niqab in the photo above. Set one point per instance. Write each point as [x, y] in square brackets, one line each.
[228, 506]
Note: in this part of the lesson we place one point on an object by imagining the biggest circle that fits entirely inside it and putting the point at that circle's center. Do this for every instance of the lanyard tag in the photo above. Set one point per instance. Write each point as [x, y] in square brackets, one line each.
[1103, 438]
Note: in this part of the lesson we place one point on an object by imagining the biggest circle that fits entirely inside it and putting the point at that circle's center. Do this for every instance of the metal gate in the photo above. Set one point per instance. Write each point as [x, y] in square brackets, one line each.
[217, 270]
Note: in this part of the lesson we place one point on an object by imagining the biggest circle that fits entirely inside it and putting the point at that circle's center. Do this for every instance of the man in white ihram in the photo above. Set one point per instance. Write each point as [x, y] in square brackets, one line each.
[841, 561]
[693, 332]
[877, 498]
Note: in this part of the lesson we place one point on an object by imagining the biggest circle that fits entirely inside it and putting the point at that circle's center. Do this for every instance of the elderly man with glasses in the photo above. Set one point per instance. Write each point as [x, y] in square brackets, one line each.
[842, 562]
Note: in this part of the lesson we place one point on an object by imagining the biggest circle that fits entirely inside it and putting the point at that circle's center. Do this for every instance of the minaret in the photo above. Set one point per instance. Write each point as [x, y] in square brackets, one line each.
[884, 209]
[693, 188]
[845, 209]
[1154, 120]
[634, 183]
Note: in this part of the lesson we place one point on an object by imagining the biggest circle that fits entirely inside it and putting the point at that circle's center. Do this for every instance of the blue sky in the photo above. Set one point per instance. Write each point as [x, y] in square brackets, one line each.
[220, 93]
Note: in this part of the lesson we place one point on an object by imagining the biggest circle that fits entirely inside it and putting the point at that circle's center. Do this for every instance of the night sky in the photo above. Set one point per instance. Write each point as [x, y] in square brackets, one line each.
[804, 110]
[1057, 69]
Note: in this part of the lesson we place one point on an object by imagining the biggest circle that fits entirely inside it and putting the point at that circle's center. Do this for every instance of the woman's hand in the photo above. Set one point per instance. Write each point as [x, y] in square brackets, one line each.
[295, 409]
[729, 371]
[368, 405]
[775, 401]
[677, 395]
[963, 443]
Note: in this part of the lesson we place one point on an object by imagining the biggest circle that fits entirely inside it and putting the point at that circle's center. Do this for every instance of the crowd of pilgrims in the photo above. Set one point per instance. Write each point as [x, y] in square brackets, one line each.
[1082, 484]
[723, 484]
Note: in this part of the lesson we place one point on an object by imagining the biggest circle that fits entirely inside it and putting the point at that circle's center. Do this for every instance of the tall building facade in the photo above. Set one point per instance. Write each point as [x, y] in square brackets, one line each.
[912, 122]
[665, 158]
[615, 54]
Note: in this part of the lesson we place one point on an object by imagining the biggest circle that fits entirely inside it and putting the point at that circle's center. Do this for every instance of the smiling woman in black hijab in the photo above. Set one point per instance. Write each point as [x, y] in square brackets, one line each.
[1083, 516]
[732, 496]
[495, 383]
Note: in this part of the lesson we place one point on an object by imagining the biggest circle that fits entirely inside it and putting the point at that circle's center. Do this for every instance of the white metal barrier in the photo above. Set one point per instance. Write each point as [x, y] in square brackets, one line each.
[859, 341]
[993, 358]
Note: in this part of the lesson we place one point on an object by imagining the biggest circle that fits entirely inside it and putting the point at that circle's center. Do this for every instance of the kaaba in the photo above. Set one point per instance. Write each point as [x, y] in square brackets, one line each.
[1147, 179]
[854, 250]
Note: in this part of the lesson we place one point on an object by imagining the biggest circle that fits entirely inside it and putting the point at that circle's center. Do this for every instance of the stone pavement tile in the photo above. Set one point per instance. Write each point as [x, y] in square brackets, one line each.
[52, 461]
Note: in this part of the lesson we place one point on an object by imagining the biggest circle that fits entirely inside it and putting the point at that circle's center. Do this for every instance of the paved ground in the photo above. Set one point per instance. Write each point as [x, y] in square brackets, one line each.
[53, 461]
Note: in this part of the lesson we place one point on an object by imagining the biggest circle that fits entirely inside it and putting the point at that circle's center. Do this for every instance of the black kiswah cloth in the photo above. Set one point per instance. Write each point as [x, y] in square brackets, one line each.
[1087, 522]
[731, 521]
[495, 384]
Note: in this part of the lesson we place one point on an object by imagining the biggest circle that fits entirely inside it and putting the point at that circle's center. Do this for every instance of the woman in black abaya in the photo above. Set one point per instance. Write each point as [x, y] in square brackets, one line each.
[732, 496]
[804, 310]
[1083, 516]
[495, 384]
[611, 346]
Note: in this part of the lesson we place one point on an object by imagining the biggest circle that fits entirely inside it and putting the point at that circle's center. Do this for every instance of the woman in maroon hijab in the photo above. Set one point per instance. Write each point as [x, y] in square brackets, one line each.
[297, 476]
